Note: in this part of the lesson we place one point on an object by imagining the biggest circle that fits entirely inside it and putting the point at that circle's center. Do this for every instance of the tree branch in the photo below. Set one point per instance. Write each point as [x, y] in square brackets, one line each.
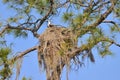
[88, 11]
[99, 21]
[101, 5]
[24, 53]
[61, 5]
[87, 47]
[78, 3]
[18, 27]
[112, 22]
[3, 30]
[112, 42]
[103, 16]
[108, 21]
[45, 17]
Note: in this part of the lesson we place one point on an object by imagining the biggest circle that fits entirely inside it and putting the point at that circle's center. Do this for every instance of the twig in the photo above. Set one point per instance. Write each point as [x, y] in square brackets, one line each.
[78, 3]
[101, 5]
[112, 42]
[106, 21]
[112, 22]
[61, 5]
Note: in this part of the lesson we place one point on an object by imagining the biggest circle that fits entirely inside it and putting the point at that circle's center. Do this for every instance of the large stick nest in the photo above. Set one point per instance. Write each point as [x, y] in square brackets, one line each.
[55, 44]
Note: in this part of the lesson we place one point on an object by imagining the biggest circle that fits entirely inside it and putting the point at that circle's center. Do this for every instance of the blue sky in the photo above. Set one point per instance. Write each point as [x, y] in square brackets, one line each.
[107, 68]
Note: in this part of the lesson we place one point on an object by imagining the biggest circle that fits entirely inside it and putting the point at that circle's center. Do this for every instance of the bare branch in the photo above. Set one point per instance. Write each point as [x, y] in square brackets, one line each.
[46, 16]
[24, 28]
[18, 27]
[3, 30]
[24, 53]
[112, 22]
[112, 42]
[101, 5]
[116, 44]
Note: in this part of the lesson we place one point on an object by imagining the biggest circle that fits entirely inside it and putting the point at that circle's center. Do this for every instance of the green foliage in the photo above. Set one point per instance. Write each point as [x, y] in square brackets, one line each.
[114, 28]
[5, 72]
[78, 19]
[4, 52]
[24, 78]
[97, 32]
[21, 1]
[2, 42]
[5, 1]
[25, 6]
[31, 2]
[117, 10]
[103, 49]
[20, 33]
[17, 33]
[1, 24]
[12, 20]
[67, 16]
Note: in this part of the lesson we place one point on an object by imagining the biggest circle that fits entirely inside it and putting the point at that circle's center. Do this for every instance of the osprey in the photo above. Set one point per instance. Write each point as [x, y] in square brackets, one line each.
[49, 24]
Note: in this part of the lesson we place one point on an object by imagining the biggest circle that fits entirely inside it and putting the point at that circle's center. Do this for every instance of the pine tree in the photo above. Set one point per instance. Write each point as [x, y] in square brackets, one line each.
[87, 20]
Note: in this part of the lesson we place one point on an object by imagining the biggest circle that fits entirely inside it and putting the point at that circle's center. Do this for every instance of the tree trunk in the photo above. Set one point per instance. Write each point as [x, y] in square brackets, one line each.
[55, 74]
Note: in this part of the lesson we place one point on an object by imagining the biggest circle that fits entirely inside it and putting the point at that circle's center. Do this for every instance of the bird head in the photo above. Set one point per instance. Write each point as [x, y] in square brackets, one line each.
[49, 22]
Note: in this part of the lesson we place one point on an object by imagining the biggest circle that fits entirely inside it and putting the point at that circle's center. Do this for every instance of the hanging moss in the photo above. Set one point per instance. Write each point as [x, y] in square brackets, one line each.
[55, 44]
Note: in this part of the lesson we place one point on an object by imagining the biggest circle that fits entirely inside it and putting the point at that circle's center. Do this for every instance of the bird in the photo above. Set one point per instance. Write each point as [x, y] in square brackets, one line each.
[49, 24]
